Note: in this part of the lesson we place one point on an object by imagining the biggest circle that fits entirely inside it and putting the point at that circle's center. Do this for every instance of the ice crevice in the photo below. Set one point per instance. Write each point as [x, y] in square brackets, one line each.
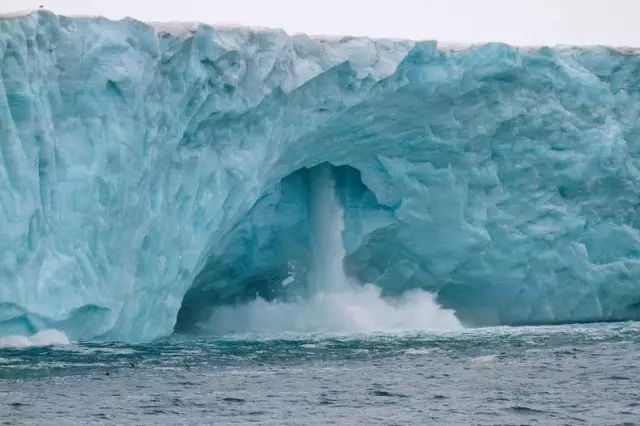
[146, 173]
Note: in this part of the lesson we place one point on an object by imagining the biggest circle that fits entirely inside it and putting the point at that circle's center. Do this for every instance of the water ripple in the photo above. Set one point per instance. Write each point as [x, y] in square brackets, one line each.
[506, 375]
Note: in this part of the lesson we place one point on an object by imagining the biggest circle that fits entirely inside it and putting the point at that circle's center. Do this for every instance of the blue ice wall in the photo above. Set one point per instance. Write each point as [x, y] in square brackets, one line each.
[137, 159]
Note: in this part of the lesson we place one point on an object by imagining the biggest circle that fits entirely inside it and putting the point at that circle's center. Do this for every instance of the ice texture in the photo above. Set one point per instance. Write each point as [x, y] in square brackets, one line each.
[142, 163]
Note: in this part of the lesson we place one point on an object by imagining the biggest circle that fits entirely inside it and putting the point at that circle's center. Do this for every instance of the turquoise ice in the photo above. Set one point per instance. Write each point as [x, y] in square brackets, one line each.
[145, 168]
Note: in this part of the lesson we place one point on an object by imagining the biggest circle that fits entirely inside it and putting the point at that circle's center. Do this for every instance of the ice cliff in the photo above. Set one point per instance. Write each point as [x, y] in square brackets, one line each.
[145, 168]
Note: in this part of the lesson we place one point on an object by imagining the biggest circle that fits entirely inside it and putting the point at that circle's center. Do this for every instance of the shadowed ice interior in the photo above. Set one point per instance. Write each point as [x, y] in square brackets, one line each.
[299, 277]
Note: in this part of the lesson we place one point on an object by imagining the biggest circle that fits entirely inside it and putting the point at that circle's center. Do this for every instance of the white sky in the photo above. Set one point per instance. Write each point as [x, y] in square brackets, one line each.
[523, 22]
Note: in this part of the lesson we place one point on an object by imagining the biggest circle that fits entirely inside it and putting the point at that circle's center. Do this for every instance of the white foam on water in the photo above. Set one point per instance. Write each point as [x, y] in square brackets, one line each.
[42, 338]
[89, 350]
[484, 359]
[421, 351]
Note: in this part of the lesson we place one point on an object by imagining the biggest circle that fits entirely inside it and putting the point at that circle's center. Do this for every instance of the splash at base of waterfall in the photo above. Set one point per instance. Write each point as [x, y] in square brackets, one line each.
[354, 309]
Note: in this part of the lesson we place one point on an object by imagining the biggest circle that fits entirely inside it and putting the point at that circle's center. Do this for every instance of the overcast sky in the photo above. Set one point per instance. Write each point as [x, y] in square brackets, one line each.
[533, 22]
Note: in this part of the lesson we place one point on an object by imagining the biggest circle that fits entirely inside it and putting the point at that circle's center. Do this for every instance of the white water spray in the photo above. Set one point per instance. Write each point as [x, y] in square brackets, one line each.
[336, 303]
[47, 337]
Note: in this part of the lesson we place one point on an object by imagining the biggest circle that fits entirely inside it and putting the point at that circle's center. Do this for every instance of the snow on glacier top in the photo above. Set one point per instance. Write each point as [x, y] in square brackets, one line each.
[16, 14]
[182, 29]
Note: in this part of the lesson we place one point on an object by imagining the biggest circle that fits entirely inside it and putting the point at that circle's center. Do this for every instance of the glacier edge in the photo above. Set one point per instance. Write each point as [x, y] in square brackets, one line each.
[504, 179]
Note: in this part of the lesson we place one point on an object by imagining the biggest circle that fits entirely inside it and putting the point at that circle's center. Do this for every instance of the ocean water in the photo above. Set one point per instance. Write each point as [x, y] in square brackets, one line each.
[561, 375]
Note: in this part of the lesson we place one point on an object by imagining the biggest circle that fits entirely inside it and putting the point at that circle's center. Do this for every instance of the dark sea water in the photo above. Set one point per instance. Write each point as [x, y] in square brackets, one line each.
[561, 375]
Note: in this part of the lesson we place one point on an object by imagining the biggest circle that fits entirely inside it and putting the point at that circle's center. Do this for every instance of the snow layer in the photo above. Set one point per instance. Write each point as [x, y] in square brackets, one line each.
[137, 163]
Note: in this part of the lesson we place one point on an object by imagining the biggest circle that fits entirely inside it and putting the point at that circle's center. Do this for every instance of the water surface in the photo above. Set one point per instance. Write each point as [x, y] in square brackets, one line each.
[528, 375]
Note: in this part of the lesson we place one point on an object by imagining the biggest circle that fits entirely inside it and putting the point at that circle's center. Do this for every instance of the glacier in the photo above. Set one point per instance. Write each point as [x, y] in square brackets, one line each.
[151, 171]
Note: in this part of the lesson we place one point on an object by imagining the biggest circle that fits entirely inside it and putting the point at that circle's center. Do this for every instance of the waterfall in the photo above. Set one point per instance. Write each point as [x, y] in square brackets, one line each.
[326, 218]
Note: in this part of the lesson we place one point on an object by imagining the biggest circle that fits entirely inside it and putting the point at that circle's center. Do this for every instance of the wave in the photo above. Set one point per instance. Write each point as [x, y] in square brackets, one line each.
[42, 338]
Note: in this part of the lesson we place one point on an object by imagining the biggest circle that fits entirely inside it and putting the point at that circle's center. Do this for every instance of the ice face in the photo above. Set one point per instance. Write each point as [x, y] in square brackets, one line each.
[144, 168]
